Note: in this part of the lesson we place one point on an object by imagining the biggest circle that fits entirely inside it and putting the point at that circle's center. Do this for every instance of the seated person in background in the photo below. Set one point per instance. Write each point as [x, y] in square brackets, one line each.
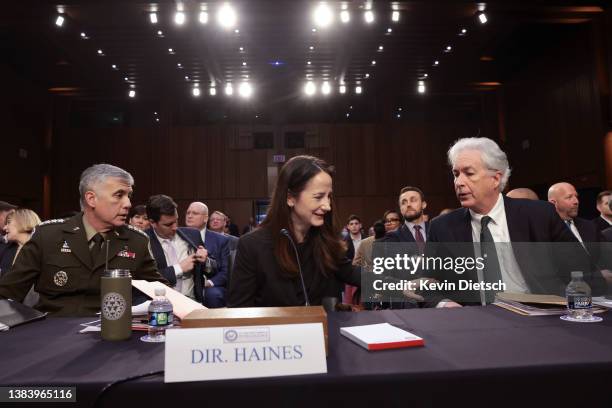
[392, 220]
[7, 250]
[604, 221]
[137, 217]
[218, 222]
[522, 192]
[19, 227]
[65, 258]
[267, 270]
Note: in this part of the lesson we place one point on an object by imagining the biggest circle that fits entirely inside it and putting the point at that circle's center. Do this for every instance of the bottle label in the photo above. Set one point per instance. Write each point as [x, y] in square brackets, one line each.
[160, 318]
[579, 302]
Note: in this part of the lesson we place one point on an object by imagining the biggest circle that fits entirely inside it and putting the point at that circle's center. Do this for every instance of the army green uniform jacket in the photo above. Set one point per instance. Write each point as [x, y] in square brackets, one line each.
[58, 262]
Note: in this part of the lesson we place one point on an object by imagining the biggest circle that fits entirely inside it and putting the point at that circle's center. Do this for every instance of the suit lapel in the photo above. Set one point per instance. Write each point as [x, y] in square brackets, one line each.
[77, 240]
[465, 232]
[406, 235]
[156, 248]
[513, 220]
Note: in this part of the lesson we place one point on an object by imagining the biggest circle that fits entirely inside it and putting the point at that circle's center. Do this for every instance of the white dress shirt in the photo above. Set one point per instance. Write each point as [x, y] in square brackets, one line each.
[510, 269]
[181, 251]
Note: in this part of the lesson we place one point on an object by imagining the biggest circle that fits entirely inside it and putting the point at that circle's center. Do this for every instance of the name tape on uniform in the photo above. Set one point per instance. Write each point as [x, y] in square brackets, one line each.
[244, 352]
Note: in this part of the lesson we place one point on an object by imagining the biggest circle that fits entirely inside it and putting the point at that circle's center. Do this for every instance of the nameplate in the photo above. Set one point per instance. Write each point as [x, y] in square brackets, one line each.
[244, 352]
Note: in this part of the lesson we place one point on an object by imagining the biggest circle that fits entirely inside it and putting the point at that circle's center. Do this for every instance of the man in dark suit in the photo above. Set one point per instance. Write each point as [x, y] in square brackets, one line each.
[481, 171]
[218, 247]
[414, 229]
[179, 252]
[354, 237]
[604, 221]
[565, 199]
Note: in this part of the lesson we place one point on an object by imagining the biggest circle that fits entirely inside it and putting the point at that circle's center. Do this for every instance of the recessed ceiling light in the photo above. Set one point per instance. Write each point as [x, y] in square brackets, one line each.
[179, 18]
[482, 17]
[160, 33]
[179, 65]
[114, 67]
[421, 87]
[195, 91]
[229, 90]
[311, 48]
[245, 90]
[373, 62]
[448, 48]
[126, 79]
[308, 62]
[395, 15]
[345, 16]
[244, 63]
[213, 91]
[367, 75]
[389, 30]
[325, 88]
[171, 50]
[226, 16]
[237, 31]
[310, 88]
[463, 31]
[436, 63]
[84, 36]
[322, 15]
[59, 21]
[241, 48]
[203, 17]
[358, 89]
[369, 16]
[132, 93]
[342, 89]
[153, 18]
[186, 77]
[100, 52]
[380, 48]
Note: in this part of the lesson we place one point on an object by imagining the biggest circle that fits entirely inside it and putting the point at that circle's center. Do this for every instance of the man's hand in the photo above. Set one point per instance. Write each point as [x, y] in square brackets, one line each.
[201, 254]
[209, 283]
[450, 303]
[415, 284]
[187, 263]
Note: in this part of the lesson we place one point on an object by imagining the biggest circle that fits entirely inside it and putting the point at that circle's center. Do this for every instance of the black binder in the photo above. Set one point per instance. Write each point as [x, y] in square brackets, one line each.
[14, 313]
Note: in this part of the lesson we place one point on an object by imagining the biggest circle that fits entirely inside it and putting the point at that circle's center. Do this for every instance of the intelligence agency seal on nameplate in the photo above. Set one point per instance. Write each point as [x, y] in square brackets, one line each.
[60, 278]
[113, 306]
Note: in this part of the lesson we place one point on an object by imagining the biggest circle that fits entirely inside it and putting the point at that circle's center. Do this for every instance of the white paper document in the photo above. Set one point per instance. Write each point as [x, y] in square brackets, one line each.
[381, 336]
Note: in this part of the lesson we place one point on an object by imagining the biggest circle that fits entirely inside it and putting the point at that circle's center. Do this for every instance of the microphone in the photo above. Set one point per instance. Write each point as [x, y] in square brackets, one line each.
[297, 257]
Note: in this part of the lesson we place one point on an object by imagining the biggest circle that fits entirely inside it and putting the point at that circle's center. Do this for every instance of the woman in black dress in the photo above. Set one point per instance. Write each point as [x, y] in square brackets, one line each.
[266, 272]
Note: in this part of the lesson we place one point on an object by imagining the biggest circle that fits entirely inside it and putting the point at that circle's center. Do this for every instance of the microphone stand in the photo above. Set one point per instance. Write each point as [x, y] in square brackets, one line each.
[297, 258]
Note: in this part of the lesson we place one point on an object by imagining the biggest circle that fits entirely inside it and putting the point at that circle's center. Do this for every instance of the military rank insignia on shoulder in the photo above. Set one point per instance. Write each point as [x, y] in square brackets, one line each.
[55, 221]
[137, 230]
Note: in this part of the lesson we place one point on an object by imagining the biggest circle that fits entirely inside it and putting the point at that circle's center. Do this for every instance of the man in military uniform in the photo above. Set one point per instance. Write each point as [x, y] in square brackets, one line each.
[65, 258]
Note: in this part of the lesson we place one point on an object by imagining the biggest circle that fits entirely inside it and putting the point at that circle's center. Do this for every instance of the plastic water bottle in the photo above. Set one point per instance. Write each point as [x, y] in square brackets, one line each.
[579, 301]
[160, 317]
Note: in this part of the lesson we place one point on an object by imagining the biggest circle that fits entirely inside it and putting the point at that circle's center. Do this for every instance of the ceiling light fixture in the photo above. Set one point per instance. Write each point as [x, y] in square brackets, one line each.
[482, 17]
[153, 18]
[132, 93]
[342, 89]
[369, 16]
[325, 88]
[203, 17]
[322, 15]
[358, 89]
[245, 90]
[59, 21]
[229, 89]
[310, 88]
[345, 16]
[179, 18]
[421, 87]
[195, 91]
[226, 16]
[395, 15]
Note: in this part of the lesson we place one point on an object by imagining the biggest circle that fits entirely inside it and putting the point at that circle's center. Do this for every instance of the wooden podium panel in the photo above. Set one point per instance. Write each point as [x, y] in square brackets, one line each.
[256, 316]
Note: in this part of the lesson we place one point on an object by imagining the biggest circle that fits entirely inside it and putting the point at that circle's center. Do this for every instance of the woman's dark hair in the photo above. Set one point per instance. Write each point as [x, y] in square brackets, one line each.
[137, 210]
[328, 249]
[379, 229]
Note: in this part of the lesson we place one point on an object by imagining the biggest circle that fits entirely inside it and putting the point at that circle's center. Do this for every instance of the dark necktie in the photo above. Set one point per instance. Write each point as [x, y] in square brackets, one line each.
[492, 272]
[418, 237]
[96, 248]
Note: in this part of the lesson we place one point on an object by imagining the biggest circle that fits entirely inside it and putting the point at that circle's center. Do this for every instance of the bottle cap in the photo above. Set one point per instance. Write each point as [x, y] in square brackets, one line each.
[577, 274]
[162, 291]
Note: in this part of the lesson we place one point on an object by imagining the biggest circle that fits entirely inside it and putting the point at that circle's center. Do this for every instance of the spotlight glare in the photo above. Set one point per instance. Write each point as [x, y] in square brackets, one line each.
[310, 88]
[345, 16]
[170, 50]
[358, 89]
[114, 66]
[179, 18]
[245, 90]
[213, 91]
[229, 90]
[367, 75]
[153, 18]
[84, 36]
[226, 16]
[195, 91]
[244, 63]
[342, 89]
[308, 62]
[421, 87]
[59, 21]
[132, 93]
[203, 17]
[325, 88]
[100, 52]
[373, 62]
[369, 16]
[436, 63]
[160, 33]
[380, 48]
[395, 16]
[482, 17]
[389, 30]
[322, 15]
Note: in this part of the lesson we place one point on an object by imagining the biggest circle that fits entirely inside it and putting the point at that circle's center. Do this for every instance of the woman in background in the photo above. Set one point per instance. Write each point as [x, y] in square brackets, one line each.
[266, 272]
[19, 227]
[137, 217]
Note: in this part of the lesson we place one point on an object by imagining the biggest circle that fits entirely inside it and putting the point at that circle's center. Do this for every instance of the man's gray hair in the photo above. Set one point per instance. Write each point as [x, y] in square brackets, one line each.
[98, 173]
[492, 156]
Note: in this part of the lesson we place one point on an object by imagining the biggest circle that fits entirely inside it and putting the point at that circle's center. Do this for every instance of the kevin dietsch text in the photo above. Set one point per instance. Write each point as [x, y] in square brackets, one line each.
[432, 285]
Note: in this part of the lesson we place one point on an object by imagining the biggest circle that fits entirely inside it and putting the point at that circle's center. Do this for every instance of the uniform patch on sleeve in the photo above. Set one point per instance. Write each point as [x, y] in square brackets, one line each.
[54, 221]
[137, 230]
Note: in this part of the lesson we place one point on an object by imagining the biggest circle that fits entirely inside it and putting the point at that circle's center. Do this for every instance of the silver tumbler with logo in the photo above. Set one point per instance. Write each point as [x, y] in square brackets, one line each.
[116, 304]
